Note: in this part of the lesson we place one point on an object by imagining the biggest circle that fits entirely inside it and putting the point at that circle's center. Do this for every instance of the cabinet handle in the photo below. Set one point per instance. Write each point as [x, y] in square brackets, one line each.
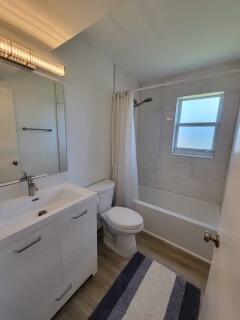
[69, 287]
[81, 214]
[29, 245]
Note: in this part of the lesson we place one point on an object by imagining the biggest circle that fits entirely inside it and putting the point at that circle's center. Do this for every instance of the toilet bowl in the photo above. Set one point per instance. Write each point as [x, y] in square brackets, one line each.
[119, 224]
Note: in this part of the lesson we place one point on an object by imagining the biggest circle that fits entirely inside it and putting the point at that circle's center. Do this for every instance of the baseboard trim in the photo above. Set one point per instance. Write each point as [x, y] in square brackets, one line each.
[177, 246]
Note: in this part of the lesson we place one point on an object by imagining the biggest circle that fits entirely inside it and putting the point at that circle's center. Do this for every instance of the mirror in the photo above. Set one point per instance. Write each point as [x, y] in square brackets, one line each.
[32, 124]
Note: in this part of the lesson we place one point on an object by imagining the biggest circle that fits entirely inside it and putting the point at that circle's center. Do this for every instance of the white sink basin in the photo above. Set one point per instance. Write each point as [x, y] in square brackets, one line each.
[19, 213]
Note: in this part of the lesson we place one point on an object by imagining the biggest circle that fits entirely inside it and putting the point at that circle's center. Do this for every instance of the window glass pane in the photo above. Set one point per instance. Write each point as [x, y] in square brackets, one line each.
[195, 138]
[200, 110]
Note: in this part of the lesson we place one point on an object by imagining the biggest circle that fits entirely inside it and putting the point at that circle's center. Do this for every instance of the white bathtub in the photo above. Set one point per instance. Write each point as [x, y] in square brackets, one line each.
[178, 219]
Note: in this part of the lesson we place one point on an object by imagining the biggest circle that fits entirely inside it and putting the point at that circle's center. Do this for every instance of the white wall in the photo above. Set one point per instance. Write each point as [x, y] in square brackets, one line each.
[88, 96]
[123, 81]
[89, 86]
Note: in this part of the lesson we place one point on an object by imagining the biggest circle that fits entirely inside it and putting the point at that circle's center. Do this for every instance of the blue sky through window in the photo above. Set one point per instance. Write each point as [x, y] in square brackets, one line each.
[196, 124]
[200, 138]
[200, 110]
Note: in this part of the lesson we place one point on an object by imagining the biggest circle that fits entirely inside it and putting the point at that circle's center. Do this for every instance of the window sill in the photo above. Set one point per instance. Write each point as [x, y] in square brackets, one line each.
[193, 155]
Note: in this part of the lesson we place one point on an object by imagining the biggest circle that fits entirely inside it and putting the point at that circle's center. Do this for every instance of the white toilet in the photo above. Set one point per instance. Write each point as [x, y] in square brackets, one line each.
[120, 224]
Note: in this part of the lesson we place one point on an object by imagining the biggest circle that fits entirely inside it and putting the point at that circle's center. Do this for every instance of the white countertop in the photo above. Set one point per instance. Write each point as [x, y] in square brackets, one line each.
[19, 216]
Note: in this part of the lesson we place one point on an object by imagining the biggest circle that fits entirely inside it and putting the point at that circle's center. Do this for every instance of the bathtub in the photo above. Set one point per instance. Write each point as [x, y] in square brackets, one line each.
[178, 219]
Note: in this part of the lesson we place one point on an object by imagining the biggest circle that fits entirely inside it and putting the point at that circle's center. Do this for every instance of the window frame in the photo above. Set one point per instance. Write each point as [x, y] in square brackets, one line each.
[206, 153]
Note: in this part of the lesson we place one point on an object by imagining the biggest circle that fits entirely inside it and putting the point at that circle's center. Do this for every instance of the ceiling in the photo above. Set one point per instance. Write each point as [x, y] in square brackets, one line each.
[52, 22]
[155, 38]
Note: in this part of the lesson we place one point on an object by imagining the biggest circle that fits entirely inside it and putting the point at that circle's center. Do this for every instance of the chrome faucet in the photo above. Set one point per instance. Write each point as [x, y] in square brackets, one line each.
[32, 187]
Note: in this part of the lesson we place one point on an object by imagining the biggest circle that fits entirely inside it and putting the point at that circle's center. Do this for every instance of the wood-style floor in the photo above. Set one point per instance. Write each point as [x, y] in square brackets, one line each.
[84, 301]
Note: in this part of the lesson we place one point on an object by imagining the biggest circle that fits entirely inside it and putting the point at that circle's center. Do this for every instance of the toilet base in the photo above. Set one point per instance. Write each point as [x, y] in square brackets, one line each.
[122, 244]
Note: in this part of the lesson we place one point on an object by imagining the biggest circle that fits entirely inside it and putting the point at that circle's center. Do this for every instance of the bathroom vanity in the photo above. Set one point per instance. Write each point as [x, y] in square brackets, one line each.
[48, 248]
[48, 238]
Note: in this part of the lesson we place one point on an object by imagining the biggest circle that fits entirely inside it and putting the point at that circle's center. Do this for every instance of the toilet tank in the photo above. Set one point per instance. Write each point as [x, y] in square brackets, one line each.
[104, 190]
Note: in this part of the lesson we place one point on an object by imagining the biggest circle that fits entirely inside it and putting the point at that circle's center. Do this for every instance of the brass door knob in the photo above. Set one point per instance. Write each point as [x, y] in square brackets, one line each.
[212, 237]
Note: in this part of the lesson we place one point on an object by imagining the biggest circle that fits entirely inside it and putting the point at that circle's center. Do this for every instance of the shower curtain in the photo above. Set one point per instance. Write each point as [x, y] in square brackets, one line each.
[124, 159]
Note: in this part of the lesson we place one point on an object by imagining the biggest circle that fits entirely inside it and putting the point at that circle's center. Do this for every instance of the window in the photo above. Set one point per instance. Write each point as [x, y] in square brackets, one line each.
[197, 119]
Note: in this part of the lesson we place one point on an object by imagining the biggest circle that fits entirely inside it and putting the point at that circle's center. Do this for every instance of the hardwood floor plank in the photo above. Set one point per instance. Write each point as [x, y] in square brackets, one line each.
[84, 301]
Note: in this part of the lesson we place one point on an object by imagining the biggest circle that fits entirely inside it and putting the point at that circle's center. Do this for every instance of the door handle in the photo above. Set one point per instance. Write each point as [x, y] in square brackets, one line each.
[81, 214]
[29, 245]
[69, 287]
[212, 237]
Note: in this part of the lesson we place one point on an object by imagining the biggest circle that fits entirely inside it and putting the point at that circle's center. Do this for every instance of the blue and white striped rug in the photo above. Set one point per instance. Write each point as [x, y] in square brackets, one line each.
[146, 290]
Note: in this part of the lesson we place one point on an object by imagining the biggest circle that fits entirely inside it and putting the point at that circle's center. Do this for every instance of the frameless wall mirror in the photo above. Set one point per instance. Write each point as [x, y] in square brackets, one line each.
[32, 124]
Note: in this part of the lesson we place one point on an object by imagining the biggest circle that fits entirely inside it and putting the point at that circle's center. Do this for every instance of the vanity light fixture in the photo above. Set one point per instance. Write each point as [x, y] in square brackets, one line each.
[16, 53]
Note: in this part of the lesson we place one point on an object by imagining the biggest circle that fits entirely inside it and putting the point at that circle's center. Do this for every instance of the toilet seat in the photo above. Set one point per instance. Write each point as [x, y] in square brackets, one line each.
[123, 218]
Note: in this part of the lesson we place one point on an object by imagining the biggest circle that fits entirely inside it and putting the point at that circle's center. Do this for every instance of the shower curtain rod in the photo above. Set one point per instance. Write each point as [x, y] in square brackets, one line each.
[208, 76]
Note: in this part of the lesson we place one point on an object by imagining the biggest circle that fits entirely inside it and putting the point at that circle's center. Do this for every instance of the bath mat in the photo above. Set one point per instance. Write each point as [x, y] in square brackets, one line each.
[146, 290]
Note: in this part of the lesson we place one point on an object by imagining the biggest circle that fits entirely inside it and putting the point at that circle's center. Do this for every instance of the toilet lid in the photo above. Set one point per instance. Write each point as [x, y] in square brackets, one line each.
[123, 217]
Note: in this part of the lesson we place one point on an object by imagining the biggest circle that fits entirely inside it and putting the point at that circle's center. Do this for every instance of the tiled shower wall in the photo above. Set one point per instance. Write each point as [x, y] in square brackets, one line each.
[201, 178]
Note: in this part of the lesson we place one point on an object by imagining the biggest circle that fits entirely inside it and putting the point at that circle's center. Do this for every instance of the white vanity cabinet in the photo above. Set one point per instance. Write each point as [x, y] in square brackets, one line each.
[78, 242]
[30, 276]
[78, 235]
[39, 272]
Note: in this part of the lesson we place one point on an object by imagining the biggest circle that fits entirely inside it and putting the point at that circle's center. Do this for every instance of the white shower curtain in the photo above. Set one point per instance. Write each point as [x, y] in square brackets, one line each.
[124, 159]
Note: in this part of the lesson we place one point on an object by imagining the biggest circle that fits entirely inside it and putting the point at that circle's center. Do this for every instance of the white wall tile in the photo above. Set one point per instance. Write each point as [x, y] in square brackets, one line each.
[201, 178]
